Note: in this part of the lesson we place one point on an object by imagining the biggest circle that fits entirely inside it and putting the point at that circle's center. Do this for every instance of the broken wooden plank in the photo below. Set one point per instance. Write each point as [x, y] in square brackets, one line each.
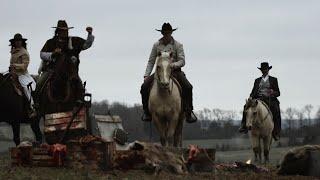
[64, 114]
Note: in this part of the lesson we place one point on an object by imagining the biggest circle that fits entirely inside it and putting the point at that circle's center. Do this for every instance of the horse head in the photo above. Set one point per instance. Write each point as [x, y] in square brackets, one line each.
[163, 69]
[65, 70]
[252, 112]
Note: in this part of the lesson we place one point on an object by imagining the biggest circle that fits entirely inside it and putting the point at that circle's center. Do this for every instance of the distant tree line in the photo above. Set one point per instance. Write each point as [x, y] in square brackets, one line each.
[213, 123]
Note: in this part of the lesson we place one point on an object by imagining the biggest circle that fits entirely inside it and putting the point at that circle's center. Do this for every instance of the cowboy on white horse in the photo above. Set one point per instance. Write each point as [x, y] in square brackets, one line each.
[169, 44]
[266, 88]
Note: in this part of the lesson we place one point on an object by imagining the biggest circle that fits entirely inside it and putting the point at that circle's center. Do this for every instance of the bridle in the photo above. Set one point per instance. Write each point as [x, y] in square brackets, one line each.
[266, 116]
[171, 81]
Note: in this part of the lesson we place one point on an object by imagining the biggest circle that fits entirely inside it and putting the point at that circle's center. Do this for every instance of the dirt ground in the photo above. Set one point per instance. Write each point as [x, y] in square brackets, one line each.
[32, 173]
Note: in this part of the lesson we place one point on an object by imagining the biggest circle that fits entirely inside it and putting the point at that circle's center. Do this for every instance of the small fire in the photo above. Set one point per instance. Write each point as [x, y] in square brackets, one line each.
[249, 161]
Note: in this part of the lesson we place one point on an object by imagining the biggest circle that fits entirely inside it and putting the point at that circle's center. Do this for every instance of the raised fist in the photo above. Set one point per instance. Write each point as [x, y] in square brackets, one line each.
[89, 29]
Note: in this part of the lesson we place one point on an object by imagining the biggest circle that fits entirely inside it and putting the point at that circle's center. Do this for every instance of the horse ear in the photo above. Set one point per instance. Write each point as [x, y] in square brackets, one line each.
[255, 102]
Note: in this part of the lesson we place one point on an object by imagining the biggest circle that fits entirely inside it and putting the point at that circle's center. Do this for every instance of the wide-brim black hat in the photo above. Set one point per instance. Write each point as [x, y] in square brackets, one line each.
[166, 27]
[17, 37]
[62, 24]
[264, 65]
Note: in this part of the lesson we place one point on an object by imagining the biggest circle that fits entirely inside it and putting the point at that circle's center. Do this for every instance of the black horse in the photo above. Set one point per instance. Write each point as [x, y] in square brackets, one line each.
[14, 109]
[63, 87]
[63, 91]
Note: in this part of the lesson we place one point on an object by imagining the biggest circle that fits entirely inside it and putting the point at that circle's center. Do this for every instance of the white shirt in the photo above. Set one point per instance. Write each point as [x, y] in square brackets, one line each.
[265, 78]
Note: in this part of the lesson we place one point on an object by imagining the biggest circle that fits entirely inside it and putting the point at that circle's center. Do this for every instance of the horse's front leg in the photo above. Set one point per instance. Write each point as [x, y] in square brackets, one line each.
[16, 132]
[172, 128]
[178, 133]
[266, 148]
[255, 147]
[161, 129]
[260, 150]
[36, 129]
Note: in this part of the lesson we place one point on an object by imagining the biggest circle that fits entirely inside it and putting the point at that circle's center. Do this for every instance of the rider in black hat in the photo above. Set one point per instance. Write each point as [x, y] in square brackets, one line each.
[167, 43]
[19, 63]
[266, 89]
[61, 43]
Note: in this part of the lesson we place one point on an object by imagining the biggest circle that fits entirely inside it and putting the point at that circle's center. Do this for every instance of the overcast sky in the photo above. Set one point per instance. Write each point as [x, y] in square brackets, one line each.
[224, 42]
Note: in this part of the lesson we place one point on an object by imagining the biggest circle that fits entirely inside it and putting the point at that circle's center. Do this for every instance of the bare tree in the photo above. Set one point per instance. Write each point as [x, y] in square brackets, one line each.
[318, 117]
[308, 108]
[290, 113]
[218, 114]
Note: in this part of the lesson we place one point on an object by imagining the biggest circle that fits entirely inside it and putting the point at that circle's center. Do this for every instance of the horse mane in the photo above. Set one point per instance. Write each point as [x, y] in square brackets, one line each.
[265, 104]
[164, 54]
[251, 103]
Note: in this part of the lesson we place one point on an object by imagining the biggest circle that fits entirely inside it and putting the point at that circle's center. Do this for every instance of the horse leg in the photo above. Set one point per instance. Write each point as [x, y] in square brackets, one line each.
[16, 132]
[172, 126]
[36, 129]
[255, 147]
[266, 146]
[178, 133]
[161, 129]
[260, 150]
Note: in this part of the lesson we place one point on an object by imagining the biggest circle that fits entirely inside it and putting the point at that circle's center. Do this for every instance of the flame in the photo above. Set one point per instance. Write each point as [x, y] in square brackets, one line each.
[249, 161]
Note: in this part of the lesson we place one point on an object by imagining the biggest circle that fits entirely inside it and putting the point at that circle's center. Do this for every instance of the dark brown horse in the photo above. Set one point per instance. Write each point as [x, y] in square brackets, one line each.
[63, 87]
[14, 109]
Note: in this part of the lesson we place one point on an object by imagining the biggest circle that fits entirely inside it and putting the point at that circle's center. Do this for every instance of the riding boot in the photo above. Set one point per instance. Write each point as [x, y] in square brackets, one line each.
[190, 116]
[145, 92]
[145, 98]
[275, 109]
[243, 128]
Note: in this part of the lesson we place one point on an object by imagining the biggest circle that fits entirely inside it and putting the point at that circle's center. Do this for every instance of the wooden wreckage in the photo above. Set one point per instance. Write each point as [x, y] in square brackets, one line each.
[76, 140]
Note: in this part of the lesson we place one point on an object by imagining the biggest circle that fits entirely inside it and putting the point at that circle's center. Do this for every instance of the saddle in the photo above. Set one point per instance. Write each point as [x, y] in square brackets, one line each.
[178, 84]
[15, 83]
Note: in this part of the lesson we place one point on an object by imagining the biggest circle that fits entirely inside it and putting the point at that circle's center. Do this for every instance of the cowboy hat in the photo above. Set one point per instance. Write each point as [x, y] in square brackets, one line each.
[166, 27]
[264, 65]
[17, 37]
[62, 24]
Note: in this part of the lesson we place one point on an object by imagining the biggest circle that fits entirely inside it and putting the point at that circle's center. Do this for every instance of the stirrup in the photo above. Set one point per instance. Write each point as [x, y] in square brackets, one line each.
[243, 129]
[146, 118]
[191, 117]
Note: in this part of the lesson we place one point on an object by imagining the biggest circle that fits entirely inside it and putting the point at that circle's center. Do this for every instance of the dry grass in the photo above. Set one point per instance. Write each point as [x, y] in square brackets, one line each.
[32, 173]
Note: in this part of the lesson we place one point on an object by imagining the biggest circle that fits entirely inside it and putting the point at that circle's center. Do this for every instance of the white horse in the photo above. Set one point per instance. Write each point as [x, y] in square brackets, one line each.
[165, 103]
[259, 121]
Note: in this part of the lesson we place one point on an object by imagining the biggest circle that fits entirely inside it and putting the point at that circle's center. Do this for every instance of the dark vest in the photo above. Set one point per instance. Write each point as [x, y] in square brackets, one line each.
[273, 85]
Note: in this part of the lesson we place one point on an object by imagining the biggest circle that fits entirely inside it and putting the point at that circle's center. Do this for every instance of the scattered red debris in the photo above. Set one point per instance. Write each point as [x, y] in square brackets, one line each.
[193, 152]
[57, 151]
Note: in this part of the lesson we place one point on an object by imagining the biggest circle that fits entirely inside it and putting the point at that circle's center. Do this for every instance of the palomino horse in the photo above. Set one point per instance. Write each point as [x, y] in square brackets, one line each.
[259, 121]
[165, 103]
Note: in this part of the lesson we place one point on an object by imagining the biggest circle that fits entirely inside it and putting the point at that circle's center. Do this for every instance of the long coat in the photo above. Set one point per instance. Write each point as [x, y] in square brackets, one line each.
[273, 85]
[20, 60]
[272, 102]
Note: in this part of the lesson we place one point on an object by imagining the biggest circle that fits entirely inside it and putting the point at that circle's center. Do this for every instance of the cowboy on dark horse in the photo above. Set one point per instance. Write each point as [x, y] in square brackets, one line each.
[266, 88]
[167, 43]
[16, 91]
[60, 61]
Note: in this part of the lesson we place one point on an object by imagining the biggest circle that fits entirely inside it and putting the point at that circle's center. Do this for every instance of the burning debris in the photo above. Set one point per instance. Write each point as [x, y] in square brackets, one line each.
[241, 167]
